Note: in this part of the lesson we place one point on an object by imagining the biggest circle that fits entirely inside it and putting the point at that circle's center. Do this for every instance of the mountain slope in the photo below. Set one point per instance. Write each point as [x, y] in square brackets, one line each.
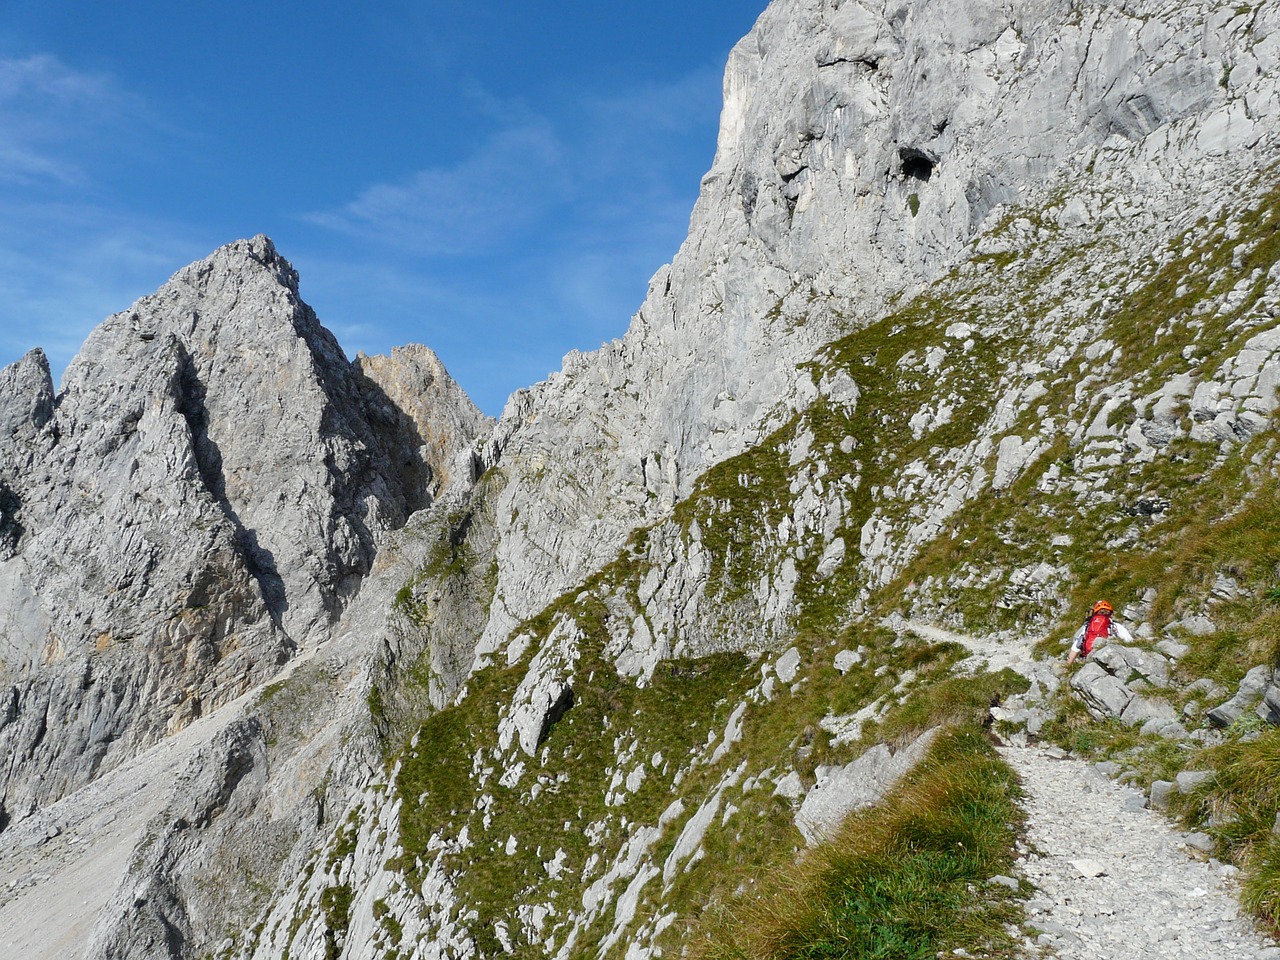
[976, 319]
[202, 498]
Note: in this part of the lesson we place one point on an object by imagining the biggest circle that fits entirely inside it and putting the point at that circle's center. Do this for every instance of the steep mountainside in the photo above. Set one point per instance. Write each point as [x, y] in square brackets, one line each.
[976, 321]
[202, 498]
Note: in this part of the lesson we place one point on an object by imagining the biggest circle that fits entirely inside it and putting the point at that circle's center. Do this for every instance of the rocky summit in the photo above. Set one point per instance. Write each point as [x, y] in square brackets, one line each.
[976, 322]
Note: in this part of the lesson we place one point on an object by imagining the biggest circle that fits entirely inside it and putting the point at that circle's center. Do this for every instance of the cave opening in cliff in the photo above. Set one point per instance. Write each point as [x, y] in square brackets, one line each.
[916, 165]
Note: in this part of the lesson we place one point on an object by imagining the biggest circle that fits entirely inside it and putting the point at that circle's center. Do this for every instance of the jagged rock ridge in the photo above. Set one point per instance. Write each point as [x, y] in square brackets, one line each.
[202, 497]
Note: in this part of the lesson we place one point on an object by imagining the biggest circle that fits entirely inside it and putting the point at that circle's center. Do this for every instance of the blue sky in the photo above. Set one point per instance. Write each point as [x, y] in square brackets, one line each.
[497, 180]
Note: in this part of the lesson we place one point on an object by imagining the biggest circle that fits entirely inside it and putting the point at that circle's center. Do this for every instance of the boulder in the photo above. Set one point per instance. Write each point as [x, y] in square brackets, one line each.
[1103, 694]
[1250, 691]
[788, 665]
[1141, 711]
[846, 660]
[1196, 626]
[863, 782]
[1162, 793]
[1200, 841]
[1209, 688]
[1188, 780]
[1173, 649]
[1269, 708]
[1124, 662]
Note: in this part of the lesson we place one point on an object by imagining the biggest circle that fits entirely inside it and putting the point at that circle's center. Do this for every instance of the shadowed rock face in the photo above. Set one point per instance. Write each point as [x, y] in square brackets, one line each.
[204, 497]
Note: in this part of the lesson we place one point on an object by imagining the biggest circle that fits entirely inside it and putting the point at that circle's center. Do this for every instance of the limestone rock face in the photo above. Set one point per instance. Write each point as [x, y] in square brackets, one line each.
[858, 784]
[862, 146]
[202, 498]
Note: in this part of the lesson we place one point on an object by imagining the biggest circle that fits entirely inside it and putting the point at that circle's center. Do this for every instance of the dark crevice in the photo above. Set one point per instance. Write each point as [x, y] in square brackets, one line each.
[750, 193]
[259, 561]
[871, 64]
[788, 177]
[558, 709]
[11, 529]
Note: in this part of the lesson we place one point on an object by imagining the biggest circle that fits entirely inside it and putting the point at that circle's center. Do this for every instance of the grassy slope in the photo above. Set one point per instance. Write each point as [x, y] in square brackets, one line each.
[1222, 520]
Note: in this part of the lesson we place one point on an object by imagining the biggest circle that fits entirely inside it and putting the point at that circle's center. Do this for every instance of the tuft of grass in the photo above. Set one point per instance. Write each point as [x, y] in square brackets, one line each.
[335, 903]
[954, 700]
[1238, 807]
[906, 880]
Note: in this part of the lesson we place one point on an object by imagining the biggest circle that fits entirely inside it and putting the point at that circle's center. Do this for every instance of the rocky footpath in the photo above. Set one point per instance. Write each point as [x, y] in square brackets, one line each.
[1113, 879]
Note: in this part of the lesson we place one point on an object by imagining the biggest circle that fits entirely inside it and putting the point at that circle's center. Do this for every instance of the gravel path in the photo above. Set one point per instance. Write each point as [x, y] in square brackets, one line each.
[1117, 881]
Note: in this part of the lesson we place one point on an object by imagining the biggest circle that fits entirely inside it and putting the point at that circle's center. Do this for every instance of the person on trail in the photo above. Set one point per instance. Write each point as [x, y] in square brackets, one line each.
[1097, 625]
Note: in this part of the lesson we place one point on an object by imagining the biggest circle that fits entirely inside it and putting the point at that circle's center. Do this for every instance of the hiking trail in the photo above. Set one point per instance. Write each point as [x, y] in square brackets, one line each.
[1113, 879]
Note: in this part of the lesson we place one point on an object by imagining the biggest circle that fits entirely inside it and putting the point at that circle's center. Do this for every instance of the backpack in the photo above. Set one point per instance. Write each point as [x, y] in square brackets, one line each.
[1096, 627]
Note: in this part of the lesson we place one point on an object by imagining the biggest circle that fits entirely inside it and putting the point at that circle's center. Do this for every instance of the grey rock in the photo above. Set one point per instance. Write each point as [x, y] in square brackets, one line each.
[1173, 649]
[846, 660]
[1004, 881]
[1141, 711]
[1170, 731]
[790, 786]
[1200, 841]
[858, 784]
[1269, 708]
[1247, 695]
[1225, 587]
[1124, 661]
[1135, 803]
[1162, 792]
[1197, 625]
[1208, 687]
[1102, 693]
[788, 665]
[1188, 780]
[1036, 719]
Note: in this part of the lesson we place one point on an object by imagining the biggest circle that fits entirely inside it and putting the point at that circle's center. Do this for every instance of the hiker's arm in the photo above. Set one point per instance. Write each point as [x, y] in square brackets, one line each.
[1121, 631]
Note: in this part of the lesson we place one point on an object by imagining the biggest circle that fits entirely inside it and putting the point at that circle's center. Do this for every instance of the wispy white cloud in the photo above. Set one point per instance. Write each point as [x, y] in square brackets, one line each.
[555, 225]
[68, 256]
[478, 201]
[50, 113]
[66, 267]
[603, 160]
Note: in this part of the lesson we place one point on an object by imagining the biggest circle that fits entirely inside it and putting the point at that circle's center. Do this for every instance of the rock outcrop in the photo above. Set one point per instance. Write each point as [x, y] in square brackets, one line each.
[202, 498]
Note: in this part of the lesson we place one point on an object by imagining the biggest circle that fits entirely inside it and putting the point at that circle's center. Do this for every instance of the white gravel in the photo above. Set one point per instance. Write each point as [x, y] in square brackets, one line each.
[1117, 881]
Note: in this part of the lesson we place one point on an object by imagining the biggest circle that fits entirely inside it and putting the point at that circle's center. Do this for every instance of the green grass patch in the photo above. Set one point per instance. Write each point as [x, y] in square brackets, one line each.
[905, 880]
[1238, 807]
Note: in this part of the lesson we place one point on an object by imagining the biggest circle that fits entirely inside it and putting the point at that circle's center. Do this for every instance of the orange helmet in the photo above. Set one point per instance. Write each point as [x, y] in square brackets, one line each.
[1102, 607]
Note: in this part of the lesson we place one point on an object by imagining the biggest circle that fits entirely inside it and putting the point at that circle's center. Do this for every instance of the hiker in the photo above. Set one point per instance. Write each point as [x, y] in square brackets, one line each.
[1096, 626]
